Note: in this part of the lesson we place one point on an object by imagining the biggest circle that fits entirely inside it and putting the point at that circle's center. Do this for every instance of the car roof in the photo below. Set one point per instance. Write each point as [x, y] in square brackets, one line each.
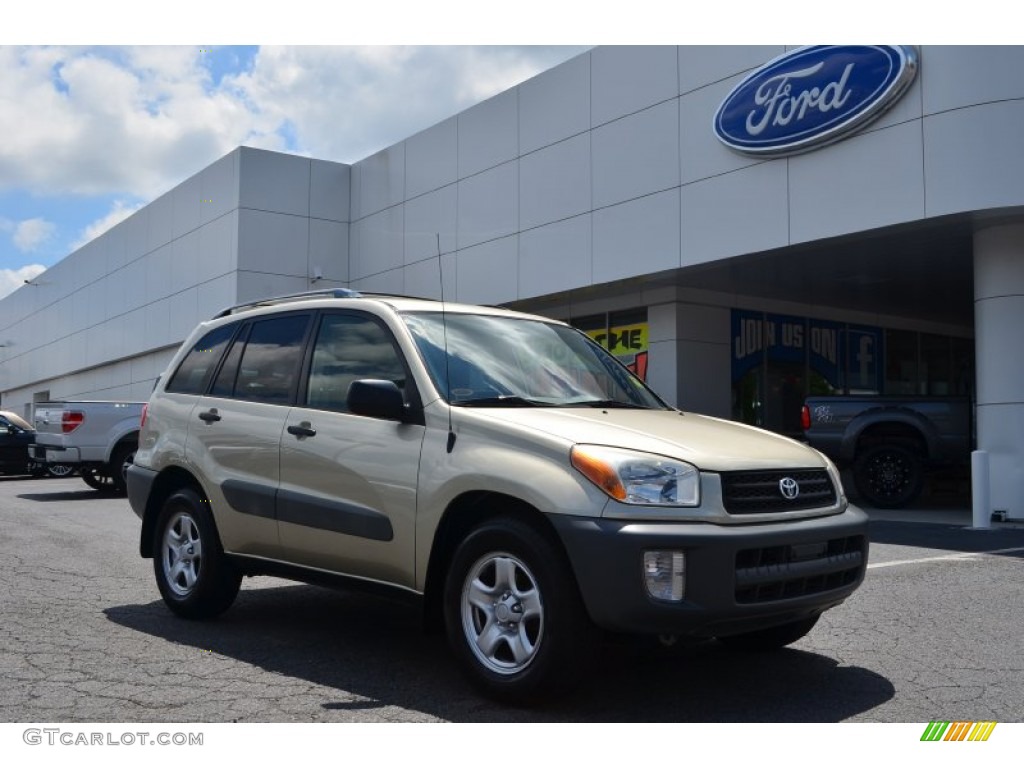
[356, 299]
[15, 419]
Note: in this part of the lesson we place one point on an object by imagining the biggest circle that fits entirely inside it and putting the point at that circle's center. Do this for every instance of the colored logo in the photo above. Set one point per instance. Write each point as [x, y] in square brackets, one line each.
[813, 96]
[958, 731]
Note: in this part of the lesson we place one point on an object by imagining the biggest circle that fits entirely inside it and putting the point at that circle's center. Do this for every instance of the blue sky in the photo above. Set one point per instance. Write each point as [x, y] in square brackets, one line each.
[92, 133]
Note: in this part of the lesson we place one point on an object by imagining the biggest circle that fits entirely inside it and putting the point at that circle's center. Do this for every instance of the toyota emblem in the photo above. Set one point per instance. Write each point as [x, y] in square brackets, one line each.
[789, 488]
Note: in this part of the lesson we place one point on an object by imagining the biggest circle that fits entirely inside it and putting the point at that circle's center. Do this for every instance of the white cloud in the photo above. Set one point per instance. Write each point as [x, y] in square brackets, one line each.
[118, 213]
[11, 279]
[29, 234]
[136, 121]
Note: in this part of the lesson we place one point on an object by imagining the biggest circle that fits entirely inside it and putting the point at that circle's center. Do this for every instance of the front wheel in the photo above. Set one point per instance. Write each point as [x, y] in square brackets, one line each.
[195, 578]
[888, 476]
[60, 470]
[771, 638]
[513, 613]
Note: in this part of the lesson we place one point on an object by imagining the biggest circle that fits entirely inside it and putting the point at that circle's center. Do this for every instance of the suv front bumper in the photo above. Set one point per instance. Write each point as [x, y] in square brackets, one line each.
[739, 578]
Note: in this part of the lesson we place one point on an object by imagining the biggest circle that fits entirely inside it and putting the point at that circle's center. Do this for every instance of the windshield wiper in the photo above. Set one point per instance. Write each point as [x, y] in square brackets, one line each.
[502, 401]
[606, 404]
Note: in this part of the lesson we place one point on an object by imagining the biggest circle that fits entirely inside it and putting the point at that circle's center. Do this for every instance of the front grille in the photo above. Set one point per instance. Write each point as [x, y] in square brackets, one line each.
[787, 571]
[759, 492]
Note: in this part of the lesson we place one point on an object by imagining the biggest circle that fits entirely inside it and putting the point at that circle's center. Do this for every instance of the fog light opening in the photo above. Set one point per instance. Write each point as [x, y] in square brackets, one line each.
[665, 575]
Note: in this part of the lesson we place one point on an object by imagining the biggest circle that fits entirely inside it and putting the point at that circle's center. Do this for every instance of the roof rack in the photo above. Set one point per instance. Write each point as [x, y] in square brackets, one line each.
[325, 293]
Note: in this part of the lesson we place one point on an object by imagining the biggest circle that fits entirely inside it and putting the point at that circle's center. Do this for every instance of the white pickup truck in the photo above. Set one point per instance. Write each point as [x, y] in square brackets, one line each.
[97, 437]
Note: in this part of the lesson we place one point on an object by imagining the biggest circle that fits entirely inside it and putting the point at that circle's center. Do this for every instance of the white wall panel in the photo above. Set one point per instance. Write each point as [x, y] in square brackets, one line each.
[392, 281]
[158, 272]
[378, 181]
[555, 257]
[135, 234]
[636, 155]
[957, 76]
[554, 182]
[626, 79]
[488, 133]
[184, 266]
[432, 158]
[973, 158]
[424, 278]
[377, 243]
[487, 273]
[871, 180]
[160, 223]
[329, 187]
[637, 237]
[187, 201]
[702, 155]
[218, 247]
[555, 104]
[700, 65]
[219, 187]
[272, 181]
[183, 315]
[273, 242]
[156, 323]
[260, 285]
[428, 216]
[215, 295]
[328, 249]
[739, 212]
[488, 205]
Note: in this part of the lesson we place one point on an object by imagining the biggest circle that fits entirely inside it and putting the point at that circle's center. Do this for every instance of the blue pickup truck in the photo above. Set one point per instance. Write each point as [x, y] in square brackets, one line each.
[890, 442]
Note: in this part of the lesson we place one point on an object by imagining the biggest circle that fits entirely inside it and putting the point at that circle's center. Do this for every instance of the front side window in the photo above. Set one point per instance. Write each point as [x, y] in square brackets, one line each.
[509, 361]
[350, 347]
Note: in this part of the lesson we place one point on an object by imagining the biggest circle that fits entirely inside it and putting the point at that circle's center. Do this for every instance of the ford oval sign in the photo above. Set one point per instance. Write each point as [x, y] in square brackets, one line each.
[813, 96]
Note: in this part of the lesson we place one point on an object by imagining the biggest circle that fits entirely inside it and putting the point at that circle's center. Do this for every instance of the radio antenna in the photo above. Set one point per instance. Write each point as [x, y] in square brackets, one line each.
[447, 368]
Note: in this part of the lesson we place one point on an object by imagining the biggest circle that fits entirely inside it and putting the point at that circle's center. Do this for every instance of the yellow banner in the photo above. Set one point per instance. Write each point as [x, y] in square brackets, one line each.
[622, 340]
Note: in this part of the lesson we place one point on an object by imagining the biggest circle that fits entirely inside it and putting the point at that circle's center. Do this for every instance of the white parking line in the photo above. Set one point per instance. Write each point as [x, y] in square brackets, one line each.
[957, 556]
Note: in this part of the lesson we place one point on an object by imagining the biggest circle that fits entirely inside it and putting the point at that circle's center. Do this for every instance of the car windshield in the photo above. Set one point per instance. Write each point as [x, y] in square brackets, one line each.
[496, 361]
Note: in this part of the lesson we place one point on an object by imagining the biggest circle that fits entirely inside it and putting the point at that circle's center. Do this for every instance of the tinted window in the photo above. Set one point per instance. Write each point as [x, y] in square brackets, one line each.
[197, 368]
[350, 347]
[269, 367]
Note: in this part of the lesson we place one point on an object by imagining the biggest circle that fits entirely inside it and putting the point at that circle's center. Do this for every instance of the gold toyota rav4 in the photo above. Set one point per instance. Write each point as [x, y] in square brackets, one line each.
[501, 470]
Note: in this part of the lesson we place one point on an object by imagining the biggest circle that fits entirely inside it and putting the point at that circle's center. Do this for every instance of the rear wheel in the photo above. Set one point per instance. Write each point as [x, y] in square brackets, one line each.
[888, 476]
[97, 480]
[195, 578]
[513, 613]
[60, 470]
[122, 458]
[772, 638]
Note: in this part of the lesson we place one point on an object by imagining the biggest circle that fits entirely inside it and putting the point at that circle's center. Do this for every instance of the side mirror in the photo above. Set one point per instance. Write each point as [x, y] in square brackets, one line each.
[376, 398]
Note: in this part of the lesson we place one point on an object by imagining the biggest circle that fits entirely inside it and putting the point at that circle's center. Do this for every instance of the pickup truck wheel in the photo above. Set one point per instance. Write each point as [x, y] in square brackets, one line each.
[60, 470]
[513, 614]
[195, 578]
[888, 476]
[772, 638]
[97, 481]
[123, 457]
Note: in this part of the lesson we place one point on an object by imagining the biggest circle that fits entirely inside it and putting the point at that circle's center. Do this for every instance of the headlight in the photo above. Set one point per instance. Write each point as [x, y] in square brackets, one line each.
[638, 478]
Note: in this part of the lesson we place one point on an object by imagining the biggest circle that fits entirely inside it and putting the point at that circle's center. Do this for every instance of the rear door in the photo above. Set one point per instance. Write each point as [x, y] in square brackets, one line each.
[347, 499]
[235, 430]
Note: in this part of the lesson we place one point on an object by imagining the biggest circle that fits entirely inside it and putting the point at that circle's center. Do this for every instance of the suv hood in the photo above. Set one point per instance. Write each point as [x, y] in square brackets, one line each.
[708, 443]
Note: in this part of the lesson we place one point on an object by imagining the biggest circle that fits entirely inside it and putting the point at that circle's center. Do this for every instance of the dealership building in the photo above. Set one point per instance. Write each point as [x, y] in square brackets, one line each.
[744, 226]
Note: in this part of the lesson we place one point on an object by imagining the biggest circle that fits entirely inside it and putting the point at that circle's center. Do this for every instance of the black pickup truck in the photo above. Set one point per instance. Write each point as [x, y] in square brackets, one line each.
[889, 442]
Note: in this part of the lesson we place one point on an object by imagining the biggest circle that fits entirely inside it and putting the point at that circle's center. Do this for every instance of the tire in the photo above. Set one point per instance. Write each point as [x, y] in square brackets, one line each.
[96, 480]
[60, 470]
[513, 614]
[122, 458]
[770, 639]
[195, 578]
[888, 476]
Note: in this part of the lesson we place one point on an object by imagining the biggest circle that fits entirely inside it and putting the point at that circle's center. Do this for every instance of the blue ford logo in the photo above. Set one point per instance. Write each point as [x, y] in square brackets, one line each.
[813, 96]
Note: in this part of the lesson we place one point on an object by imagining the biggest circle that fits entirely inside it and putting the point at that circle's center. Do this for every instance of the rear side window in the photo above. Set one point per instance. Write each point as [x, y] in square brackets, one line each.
[196, 370]
[268, 369]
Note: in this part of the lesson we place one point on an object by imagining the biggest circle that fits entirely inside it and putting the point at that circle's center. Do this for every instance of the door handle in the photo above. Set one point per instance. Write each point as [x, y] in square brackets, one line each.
[210, 415]
[301, 430]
